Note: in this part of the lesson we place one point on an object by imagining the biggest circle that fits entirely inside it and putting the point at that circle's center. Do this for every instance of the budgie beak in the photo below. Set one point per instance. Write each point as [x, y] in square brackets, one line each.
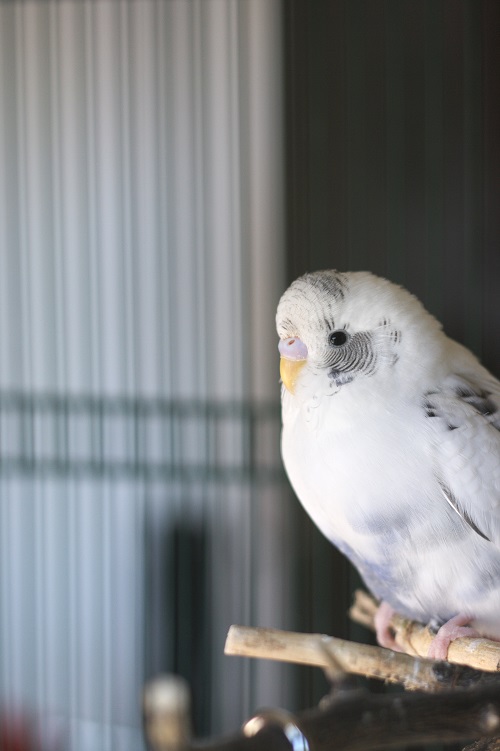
[293, 353]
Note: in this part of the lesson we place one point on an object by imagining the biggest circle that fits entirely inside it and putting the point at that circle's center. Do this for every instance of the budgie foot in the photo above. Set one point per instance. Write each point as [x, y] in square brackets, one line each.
[383, 630]
[449, 631]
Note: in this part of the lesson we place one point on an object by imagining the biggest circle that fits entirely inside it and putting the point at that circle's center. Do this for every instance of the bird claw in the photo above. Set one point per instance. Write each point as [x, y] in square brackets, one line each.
[453, 629]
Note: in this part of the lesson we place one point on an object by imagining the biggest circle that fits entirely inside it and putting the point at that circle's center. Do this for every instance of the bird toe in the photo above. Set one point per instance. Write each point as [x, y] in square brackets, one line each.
[453, 629]
[383, 629]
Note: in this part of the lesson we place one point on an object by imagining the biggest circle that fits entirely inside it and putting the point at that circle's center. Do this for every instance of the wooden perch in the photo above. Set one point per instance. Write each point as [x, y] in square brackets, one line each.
[359, 659]
[351, 721]
[355, 721]
[414, 638]
[348, 720]
[166, 714]
[358, 721]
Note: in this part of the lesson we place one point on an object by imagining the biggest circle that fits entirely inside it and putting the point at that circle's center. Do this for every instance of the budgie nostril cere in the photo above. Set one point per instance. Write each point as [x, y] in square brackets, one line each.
[391, 441]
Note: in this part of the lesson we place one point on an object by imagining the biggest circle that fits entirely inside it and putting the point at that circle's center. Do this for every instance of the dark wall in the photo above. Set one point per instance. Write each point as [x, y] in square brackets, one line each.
[393, 150]
[393, 165]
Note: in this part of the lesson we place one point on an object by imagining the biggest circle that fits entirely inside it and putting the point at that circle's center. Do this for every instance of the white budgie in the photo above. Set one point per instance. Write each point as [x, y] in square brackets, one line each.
[391, 440]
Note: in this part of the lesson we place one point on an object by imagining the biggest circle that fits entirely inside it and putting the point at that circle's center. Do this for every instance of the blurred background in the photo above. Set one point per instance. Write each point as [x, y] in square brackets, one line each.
[167, 168]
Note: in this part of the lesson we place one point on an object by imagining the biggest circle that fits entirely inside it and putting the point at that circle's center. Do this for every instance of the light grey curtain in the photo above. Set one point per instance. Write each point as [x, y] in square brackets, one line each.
[141, 259]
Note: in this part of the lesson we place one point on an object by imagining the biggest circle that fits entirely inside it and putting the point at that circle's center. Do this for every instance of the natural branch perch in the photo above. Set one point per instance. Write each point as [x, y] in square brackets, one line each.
[364, 722]
[359, 659]
[485, 744]
[414, 638]
[350, 721]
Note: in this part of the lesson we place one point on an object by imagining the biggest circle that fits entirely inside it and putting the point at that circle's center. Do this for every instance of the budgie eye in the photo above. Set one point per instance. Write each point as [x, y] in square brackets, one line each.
[338, 338]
